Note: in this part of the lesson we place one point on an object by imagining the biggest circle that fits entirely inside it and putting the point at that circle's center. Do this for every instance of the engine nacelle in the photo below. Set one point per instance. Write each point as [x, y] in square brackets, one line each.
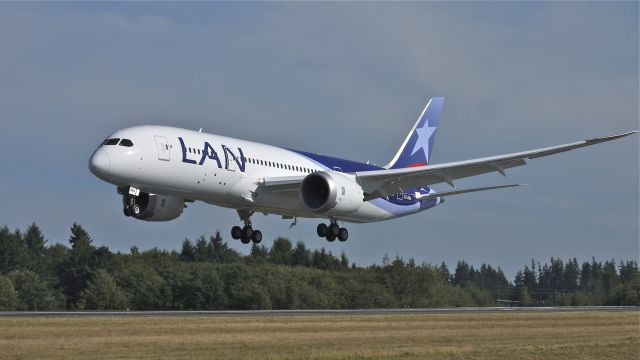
[157, 207]
[331, 193]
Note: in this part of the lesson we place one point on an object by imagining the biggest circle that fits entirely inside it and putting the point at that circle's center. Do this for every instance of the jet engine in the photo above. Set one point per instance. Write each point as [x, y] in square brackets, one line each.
[331, 193]
[155, 207]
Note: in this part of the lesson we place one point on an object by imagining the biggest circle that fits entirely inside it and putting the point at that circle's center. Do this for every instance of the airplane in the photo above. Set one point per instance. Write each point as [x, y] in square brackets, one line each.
[158, 169]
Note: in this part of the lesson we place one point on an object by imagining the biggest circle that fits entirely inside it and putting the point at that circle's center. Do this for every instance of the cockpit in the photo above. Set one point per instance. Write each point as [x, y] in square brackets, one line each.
[118, 141]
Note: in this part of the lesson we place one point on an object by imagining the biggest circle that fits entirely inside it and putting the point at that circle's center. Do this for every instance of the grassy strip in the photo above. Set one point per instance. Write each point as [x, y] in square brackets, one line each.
[594, 335]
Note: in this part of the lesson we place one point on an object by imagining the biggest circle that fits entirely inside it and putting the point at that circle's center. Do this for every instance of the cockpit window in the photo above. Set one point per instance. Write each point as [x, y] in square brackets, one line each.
[126, 142]
[113, 141]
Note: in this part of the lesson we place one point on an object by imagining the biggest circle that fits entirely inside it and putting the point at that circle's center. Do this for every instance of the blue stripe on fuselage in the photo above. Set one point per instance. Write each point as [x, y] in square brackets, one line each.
[332, 163]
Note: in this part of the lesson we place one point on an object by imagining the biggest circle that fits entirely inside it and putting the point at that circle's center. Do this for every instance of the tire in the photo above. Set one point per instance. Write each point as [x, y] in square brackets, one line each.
[236, 232]
[245, 240]
[322, 230]
[343, 234]
[334, 229]
[247, 232]
[330, 237]
[256, 236]
[136, 209]
[127, 211]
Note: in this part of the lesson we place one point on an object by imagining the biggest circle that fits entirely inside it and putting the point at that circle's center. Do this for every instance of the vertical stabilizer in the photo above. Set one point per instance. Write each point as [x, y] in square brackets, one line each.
[416, 148]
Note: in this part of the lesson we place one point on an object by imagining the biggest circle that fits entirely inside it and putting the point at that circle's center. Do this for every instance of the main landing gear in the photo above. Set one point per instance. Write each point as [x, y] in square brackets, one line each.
[332, 231]
[246, 234]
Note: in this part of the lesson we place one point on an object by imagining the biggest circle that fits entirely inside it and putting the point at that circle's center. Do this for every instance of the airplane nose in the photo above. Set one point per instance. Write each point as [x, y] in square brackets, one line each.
[100, 162]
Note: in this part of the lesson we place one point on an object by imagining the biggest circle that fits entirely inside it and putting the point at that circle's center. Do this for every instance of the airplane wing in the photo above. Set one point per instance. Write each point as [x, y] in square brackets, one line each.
[381, 183]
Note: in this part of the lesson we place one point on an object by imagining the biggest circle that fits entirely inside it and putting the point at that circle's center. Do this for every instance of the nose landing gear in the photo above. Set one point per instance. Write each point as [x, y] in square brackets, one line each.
[130, 200]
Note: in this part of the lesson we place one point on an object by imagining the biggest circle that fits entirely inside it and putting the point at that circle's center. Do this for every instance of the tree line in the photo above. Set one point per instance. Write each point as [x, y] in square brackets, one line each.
[207, 274]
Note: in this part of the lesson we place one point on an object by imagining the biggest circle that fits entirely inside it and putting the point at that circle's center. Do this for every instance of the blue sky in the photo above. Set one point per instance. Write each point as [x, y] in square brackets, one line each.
[344, 79]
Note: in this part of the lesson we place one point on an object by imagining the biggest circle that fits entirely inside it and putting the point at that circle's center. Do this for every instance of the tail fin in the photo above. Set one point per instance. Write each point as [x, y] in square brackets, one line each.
[416, 148]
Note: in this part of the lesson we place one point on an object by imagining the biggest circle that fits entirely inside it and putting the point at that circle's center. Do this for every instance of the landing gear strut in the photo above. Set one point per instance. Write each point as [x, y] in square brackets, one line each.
[246, 234]
[332, 231]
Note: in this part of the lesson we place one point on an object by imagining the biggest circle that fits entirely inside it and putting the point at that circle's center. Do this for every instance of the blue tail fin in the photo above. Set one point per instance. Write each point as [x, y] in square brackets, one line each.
[416, 148]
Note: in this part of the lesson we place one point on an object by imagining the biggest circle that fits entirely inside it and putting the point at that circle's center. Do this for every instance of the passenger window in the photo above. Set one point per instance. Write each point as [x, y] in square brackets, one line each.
[113, 141]
[126, 142]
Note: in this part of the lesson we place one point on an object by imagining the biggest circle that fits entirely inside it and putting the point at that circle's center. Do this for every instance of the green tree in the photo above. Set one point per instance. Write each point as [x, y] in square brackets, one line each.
[202, 289]
[34, 240]
[13, 251]
[102, 293]
[78, 269]
[202, 251]
[36, 249]
[344, 260]
[144, 287]
[462, 273]
[280, 252]
[259, 254]
[300, 255]
[33, 293]
[8, 295]
[81, 242]
[188, 252]
[221, 251]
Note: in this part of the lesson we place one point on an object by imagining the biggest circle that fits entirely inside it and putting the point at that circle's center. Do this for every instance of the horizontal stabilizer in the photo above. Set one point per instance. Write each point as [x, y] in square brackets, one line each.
[463, 191]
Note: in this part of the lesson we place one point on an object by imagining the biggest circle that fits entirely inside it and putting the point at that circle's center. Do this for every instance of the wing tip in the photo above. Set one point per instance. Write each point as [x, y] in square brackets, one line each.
[612, 137]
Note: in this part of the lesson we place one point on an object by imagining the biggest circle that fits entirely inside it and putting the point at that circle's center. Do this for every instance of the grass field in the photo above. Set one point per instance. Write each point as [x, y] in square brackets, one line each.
[588, 335]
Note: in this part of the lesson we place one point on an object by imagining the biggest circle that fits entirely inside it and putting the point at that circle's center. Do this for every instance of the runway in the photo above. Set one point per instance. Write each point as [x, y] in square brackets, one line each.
[234, 313]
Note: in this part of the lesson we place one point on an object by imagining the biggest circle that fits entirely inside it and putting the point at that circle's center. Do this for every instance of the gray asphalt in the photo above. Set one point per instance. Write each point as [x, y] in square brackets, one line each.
[468, 310]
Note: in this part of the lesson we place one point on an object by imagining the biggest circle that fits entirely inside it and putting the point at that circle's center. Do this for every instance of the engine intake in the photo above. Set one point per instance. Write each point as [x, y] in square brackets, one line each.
[318, 192]
[330, 193]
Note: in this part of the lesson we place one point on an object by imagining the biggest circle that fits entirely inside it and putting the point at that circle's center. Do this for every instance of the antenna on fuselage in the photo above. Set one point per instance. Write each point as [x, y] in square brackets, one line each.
[200, 130]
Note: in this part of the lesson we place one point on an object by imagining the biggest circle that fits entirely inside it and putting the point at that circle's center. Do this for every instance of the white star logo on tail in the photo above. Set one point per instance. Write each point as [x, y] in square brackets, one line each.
[424, 135]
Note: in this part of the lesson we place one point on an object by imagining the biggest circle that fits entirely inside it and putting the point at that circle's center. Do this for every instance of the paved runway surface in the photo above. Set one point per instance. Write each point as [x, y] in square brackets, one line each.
[325, 312]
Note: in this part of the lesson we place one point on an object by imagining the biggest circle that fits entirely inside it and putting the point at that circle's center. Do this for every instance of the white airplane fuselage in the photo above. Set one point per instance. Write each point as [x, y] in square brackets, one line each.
[227, 172]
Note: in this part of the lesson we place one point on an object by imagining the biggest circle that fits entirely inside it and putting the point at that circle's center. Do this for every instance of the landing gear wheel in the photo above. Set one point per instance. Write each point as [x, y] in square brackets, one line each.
[247, 232]
[322, 230]
[245, 240]
[256, 236]
[136, 209]
[333, 229]
[330, 237]
[236, 232]
[343, 234]
[127, 211]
